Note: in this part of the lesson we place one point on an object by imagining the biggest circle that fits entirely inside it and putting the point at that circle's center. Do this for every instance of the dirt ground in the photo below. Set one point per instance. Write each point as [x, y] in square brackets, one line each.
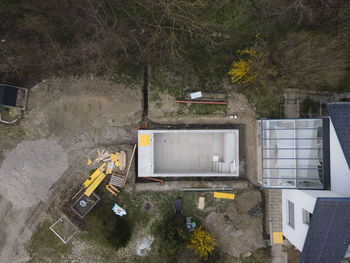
[237, 232]
[83, 114]
[167, 111]
[79, 115]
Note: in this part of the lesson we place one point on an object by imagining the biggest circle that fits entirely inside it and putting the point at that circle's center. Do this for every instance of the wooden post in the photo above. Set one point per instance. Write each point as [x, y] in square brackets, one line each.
[130, 162]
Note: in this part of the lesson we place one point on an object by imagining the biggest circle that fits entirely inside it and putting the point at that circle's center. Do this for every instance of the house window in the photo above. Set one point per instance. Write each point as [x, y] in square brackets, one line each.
[291, 214]
[306, 217]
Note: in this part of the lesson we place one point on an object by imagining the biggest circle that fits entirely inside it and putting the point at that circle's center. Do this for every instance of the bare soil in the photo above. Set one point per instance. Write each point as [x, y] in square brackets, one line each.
[235, 230]
[79, 115]
[166, 111]
[84, 114]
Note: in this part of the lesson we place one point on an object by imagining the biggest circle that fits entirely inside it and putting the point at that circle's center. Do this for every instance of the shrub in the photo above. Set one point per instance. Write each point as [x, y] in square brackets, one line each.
[242, 70]
[107, 228]
[202, 243]
[254, 66]
[309, 106]
[172, 234]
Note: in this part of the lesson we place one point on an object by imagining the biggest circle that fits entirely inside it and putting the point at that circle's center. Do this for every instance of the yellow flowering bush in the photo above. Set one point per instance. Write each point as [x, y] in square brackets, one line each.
[242, 71]
[202, 243]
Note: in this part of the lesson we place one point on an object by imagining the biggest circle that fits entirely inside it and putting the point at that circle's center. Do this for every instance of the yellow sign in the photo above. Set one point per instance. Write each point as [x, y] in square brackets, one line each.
[144, 139]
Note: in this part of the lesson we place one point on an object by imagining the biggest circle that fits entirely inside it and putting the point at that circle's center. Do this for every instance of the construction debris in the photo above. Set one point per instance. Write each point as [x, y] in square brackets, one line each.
[118, 210]
[255, 211]
[117, 180]
[117, 159]
[110, 167]
[113, 190]
[201, 203]
[100, 156]
[95, 184]
[94, 175]
[109, 162]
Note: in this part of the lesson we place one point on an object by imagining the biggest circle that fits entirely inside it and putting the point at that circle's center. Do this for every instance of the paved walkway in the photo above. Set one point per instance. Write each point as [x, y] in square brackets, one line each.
[274, 222]
[274, 210]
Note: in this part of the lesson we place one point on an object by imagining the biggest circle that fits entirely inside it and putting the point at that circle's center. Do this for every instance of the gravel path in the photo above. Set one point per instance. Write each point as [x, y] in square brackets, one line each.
[29, 171]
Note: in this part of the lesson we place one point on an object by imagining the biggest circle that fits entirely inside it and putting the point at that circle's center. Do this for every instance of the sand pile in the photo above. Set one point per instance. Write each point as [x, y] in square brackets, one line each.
[29, 171]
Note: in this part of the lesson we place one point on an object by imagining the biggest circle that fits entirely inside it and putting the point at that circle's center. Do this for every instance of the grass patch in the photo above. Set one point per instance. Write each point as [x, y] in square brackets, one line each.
[103, 227]
[206, 109]
[106, 228]
[45, 246]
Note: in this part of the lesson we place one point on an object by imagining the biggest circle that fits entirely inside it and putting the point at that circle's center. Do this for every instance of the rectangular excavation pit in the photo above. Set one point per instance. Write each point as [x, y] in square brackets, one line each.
[83, 205]
[188, 153]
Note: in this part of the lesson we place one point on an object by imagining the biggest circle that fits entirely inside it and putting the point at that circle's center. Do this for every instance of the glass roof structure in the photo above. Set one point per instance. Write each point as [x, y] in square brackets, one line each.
[295, 153]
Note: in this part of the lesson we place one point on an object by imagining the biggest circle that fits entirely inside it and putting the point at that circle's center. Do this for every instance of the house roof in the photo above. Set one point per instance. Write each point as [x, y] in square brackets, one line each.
[329, 232]
[340, 117]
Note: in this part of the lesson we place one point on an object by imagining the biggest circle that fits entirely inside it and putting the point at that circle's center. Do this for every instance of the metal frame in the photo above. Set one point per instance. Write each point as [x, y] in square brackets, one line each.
[267, 149]
[58, 235]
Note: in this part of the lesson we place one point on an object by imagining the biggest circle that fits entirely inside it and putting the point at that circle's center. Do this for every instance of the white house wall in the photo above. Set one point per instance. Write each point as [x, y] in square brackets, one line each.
[302, 199]
[340, 173]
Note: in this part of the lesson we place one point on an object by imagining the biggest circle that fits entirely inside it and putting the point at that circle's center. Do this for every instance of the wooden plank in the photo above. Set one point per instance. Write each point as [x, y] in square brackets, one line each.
[224, 195]
[94, 175]
[122, 163]
[201, 203]
[130, 162]
[95, 184]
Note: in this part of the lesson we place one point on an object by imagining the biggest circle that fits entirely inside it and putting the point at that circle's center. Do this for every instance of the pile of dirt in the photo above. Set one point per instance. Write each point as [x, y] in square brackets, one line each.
[29, 171]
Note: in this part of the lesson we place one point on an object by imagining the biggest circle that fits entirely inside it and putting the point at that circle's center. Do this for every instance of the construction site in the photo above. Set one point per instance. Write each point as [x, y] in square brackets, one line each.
[100, 163]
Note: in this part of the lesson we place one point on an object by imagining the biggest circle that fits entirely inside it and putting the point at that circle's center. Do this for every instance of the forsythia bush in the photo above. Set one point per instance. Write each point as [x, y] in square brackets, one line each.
[242, 71]
[202, 243]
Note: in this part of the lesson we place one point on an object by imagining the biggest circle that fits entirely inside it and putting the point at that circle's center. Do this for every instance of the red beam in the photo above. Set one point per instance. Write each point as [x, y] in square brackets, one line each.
[143, 127]
[201, 102]
[154, 179]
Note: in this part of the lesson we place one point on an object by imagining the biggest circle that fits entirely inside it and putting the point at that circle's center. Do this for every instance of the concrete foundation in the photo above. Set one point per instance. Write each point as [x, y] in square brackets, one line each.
[188, 153]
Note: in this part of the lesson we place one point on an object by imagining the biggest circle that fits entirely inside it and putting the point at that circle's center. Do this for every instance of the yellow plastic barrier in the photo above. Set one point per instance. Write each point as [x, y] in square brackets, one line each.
[224, 195]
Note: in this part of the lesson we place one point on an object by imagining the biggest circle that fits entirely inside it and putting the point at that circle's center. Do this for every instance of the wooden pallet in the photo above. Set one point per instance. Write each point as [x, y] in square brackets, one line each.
[117, 180]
